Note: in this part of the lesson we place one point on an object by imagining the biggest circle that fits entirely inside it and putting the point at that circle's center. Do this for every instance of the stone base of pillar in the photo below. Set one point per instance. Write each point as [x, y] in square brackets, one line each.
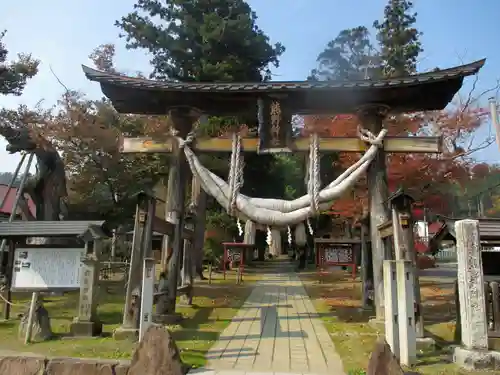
[425, 343]
[126, 333]
[86, 329]
[470, 359]
[377, 323]
[167, 319]
[185, 300]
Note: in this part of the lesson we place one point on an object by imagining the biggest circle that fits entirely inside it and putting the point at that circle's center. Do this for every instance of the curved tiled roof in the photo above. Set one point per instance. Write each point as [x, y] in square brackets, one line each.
[138, 95]
[121, 80]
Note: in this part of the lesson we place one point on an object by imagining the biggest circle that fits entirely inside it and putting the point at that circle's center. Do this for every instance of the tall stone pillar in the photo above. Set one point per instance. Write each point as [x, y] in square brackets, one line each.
[87, 323]
[371, 118]
[471, 286]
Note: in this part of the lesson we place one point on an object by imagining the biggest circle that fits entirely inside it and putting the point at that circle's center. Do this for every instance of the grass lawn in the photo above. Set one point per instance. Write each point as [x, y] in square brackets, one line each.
[338, 299]
[213, 308]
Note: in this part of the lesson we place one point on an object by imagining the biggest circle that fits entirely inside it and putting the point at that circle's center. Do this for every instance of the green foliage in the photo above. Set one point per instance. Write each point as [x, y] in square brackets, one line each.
[201, 40]
[14, 75]
[350, 56]
[291, 167]
[399, 39]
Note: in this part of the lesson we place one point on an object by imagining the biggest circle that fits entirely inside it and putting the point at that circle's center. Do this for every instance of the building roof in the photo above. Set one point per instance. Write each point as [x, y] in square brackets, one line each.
[11, 197]
[426, 91]
[21, 228]
[489, 232]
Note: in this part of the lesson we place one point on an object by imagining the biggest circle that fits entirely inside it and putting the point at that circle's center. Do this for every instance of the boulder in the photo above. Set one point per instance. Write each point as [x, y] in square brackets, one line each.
[157, 354]
[382, 361]
[42, 330]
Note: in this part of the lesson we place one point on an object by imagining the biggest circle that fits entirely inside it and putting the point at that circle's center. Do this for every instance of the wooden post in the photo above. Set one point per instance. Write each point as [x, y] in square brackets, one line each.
[147, 293]
[189, 252]
[406, 313]
[8, 275]
[391, 306]
[171, 208]
[134, 274]
[31, 315]
[404, 243]
[187, 269]
[183, 120]
[365, 264]
[371, 118]
[198, 240]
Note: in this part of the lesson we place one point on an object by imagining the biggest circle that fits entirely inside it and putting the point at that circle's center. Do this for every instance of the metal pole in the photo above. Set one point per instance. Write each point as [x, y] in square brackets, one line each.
[494, 119]
[16, 172]
[18, 197]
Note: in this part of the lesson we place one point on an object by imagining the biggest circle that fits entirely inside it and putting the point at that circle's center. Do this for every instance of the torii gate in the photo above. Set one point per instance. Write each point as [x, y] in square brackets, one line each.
[370, 100]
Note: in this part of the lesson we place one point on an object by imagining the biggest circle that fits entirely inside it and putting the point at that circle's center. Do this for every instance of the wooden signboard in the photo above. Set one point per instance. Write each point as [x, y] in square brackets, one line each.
[234, 252]
[330, 252]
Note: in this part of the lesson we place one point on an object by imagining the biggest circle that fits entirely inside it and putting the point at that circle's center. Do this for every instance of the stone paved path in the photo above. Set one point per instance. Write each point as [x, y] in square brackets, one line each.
[277, 330]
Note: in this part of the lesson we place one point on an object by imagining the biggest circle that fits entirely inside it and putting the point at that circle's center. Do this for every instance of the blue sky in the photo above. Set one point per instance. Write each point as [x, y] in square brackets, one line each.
[62, 34]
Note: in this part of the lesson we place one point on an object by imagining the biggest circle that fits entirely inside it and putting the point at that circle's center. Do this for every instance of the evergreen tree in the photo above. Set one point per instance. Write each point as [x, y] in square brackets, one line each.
[14, 75]
[201, 40]
[350, 56]
[398, 38]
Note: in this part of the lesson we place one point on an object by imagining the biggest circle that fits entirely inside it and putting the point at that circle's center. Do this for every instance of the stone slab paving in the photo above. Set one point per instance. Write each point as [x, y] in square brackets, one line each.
[278, 331]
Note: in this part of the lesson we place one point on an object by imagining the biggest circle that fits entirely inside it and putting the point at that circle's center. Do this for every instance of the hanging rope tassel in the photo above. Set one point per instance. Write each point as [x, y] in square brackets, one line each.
[240, 228]
[236, 168]
[309, 227]
[313, 180]
[269, 237]
[289, 236]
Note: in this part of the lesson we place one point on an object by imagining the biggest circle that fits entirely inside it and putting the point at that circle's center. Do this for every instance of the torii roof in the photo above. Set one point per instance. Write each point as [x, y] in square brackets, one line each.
[426, 91]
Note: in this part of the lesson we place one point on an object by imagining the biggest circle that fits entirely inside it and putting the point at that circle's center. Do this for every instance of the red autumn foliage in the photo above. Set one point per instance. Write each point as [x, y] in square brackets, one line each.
[422, 175]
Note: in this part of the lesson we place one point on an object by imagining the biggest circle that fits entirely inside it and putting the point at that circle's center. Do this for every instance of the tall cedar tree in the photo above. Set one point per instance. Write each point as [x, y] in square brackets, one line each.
[15, 74]
[398, 38]
[350, 56]
[203, 41]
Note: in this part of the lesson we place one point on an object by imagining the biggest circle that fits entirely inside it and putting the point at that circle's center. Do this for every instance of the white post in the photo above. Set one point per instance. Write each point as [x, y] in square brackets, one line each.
[148, 279]
[391, 306]
[494, 119]
[406, 311]
[471, 286]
